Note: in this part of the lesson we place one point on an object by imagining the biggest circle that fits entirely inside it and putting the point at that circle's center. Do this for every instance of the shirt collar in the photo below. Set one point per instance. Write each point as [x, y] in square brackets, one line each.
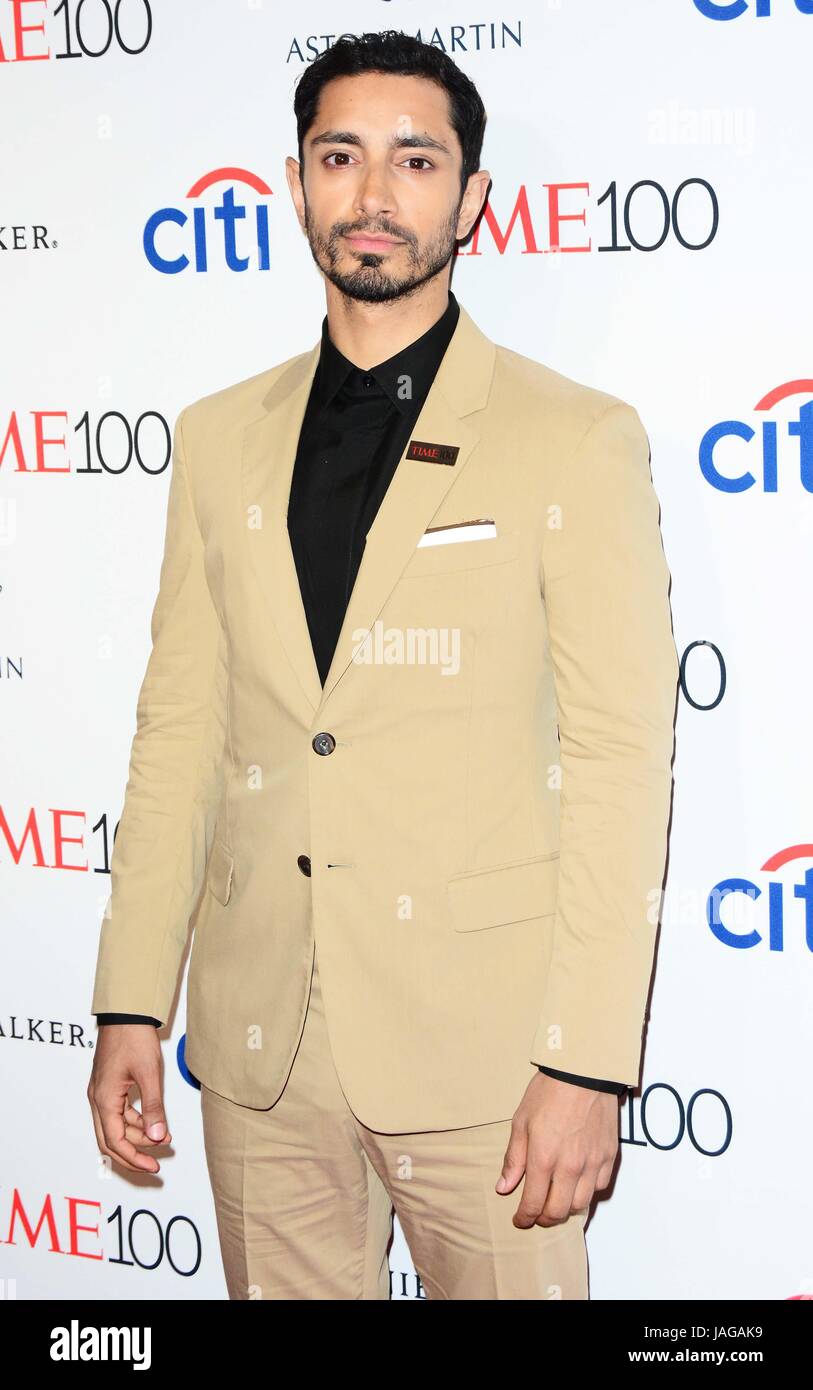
[418, 361]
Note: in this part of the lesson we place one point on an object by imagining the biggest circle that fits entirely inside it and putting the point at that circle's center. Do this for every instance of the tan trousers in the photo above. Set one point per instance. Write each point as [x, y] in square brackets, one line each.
[304, 1196]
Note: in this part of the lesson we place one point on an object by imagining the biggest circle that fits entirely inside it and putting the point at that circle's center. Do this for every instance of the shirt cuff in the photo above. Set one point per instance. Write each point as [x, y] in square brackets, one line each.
[616, 1088]
[128, 1018]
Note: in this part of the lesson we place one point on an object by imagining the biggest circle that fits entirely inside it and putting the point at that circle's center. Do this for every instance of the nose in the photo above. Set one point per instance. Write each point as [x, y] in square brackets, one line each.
[374, 195]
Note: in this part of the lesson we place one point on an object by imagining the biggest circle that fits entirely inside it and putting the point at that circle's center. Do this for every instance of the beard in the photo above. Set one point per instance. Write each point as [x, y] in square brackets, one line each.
[369, 281]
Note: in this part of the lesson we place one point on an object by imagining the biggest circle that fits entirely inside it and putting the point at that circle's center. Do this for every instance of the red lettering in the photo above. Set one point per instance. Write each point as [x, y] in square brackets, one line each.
[522, 211]
[60, 840]
[555, 217]
[13, 436]
[20, 29]
[39, 416]
[73, 1203]
[31, 828]
[47, 1214]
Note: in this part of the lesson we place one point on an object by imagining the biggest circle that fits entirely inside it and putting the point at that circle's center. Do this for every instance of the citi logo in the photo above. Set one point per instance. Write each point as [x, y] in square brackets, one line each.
[231, 232]
[761, 9]
[733, 472]
[774, 924]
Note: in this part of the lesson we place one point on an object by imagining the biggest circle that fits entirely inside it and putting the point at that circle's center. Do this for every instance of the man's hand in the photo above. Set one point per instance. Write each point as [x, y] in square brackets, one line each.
[564, 1138]
[128, 1053]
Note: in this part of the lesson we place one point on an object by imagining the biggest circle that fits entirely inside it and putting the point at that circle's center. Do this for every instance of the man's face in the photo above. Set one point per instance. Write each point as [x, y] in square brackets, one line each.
[380, 200]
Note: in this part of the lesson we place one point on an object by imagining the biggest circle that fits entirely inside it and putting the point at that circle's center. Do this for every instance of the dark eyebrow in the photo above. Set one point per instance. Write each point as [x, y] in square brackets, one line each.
[336, 137]
[411, 142]
[418, 142]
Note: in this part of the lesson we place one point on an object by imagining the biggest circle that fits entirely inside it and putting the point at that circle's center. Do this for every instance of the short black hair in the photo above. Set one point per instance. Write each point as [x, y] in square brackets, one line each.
[393, 51]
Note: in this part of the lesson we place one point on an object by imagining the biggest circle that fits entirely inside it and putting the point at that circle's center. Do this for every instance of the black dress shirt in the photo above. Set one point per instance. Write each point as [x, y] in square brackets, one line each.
[356, 426]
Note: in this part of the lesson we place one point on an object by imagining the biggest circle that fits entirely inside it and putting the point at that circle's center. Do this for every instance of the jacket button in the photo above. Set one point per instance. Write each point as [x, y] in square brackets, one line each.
[305, 865]
[323, 743]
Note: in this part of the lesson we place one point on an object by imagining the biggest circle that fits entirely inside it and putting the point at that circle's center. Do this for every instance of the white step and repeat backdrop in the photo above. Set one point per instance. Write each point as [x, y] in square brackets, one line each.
[664, 148]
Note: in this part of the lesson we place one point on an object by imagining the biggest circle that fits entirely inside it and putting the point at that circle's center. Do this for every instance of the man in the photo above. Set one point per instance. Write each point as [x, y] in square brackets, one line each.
[422, 907]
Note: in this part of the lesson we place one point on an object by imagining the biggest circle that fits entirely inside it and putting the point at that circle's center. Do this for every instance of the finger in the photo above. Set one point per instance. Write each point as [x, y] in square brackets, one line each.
[148, 1080]
[514, 1159]
[583, 1193]
[538, 1173]
[605, 1175]
[559, 1202]
[135, 1135]
[119, 1147]
[102, 1143]
[135, 1119]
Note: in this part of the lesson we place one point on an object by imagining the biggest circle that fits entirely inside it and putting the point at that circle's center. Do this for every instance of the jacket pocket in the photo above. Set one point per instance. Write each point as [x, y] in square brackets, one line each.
[506, 893]
[219, 872]
[462, 555]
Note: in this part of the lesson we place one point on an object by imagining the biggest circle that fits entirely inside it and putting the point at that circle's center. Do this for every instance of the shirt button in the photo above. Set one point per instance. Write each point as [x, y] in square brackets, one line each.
[304, 864]
[368, 380]
[323, 743]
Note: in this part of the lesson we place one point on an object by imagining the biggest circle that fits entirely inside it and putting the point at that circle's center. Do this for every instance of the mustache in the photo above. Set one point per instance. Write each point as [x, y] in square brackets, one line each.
[379, 229]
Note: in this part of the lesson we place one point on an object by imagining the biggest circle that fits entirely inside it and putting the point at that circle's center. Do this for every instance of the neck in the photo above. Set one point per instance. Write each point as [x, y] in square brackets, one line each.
[371, 333]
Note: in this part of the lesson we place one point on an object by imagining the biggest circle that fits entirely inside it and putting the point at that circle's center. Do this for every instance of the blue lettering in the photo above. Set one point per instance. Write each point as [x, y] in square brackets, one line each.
[706, 456]
[153, 223]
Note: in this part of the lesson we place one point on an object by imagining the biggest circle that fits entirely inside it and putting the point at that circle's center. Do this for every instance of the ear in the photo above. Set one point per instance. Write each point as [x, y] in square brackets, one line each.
[472, 201]
[293, 175]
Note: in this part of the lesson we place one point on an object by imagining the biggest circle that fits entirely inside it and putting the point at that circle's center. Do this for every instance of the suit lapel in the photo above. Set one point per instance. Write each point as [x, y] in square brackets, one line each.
[269, 451]
[416, 490]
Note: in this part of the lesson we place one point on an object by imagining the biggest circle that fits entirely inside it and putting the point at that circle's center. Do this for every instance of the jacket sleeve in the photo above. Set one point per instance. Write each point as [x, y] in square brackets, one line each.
[174, 784]
[605, 586]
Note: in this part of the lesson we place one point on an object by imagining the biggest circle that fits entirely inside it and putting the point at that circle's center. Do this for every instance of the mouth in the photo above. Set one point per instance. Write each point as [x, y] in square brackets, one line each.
[369, 241]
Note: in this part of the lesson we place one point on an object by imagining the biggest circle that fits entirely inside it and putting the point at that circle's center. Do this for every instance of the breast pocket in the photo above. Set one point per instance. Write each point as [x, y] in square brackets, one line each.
[510, 892]
[453, 556]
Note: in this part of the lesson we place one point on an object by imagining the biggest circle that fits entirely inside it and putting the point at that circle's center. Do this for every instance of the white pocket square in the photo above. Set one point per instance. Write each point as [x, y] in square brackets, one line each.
[480, 530]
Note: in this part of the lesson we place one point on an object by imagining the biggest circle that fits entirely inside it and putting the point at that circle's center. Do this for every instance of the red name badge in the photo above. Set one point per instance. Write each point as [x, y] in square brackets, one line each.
[432, 453]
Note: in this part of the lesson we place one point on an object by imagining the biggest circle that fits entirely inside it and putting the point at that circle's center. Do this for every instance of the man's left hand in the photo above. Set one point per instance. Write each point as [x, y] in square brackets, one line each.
[564, 1138]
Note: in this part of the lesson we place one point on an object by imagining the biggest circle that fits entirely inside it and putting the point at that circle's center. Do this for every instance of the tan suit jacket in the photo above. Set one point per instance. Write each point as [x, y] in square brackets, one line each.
[483, 894]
